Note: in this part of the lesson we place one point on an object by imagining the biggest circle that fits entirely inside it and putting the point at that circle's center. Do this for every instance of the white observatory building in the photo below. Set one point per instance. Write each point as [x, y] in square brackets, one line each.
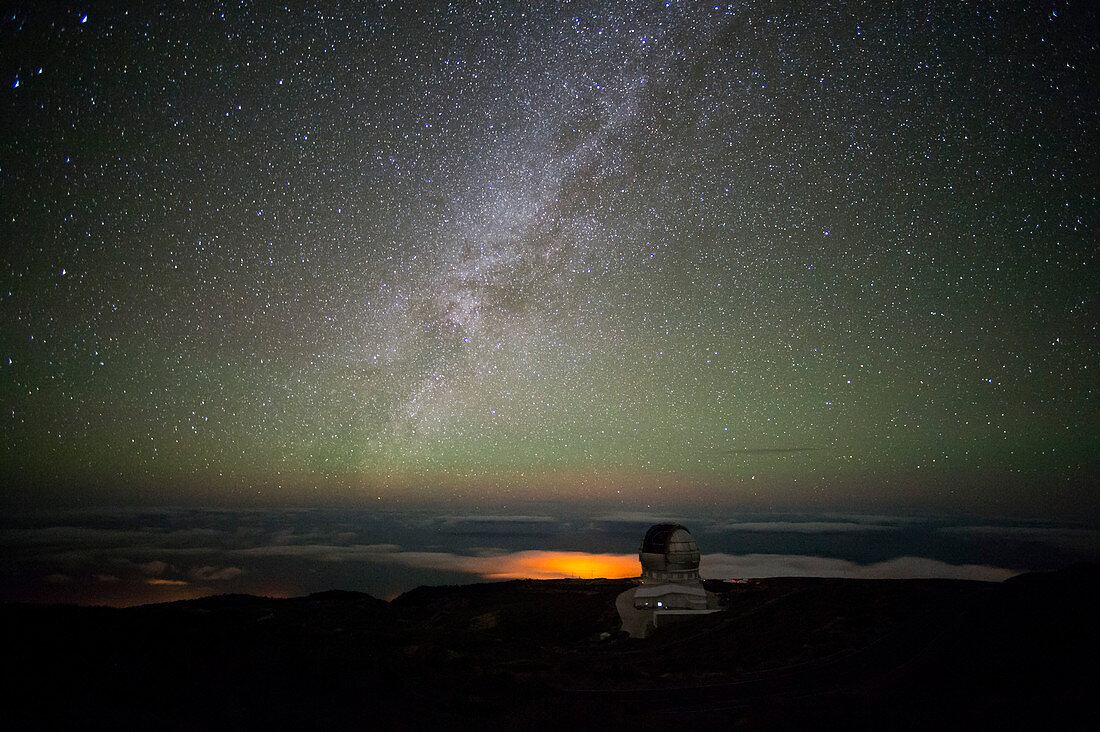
[670, 585]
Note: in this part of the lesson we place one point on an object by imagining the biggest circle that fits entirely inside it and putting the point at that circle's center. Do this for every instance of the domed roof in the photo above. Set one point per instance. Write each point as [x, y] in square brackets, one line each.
[669, 547]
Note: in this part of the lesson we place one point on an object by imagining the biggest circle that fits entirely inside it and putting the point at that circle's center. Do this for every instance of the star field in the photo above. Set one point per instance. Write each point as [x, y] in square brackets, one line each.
[499, 252]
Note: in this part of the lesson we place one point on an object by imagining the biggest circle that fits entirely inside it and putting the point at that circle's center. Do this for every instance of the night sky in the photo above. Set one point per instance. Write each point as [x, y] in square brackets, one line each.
[646, 256]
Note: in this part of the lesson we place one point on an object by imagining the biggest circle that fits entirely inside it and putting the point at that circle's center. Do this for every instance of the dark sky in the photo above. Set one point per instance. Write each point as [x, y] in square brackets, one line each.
[636, 254]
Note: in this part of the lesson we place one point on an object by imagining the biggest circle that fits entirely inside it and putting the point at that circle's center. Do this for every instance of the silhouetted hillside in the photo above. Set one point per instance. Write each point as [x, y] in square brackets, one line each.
[785, 653]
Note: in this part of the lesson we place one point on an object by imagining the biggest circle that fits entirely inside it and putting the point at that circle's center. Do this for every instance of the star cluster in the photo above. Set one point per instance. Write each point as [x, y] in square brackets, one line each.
[499, 251]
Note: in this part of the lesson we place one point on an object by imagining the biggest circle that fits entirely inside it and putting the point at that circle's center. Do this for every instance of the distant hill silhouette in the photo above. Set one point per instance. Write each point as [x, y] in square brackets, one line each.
[785, 653]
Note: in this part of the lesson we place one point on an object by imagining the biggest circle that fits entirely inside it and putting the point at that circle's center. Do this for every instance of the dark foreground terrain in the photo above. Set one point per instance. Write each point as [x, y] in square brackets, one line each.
[787, 653]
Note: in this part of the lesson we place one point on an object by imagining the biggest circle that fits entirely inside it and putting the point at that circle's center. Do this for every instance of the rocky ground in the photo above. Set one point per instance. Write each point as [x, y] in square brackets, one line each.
[784, 653]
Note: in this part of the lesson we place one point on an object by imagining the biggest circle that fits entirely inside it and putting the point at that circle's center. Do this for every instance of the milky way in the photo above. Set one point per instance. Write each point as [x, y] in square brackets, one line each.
[629, 252]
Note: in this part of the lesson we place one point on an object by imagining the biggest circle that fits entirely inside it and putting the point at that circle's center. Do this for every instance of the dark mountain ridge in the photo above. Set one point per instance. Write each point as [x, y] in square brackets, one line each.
[785, 652]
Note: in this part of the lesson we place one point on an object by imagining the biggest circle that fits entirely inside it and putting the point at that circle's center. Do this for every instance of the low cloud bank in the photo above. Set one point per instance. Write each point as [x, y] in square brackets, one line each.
[805, 527]
[528, 564]
[539, 564]
[726, 566]
[533, 564]
[133, 557]
[1077, 539]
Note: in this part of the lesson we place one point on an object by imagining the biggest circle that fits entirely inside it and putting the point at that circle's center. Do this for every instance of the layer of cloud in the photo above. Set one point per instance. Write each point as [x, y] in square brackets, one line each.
[320, 552]
[532, 564]
[155, 567]
[215, 574]
[542, 564]
[112, 557]
[529, 564]
[723, 566]
[641, 517]
[494, 519]
[1086, 540]
[805, 527]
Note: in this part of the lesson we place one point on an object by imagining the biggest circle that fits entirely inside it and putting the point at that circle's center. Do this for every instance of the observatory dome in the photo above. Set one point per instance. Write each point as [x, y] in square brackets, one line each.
[669, 553]
[671, 588]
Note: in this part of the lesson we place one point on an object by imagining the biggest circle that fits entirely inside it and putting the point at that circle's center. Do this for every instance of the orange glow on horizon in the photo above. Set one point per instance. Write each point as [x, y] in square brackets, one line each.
[537, 564]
